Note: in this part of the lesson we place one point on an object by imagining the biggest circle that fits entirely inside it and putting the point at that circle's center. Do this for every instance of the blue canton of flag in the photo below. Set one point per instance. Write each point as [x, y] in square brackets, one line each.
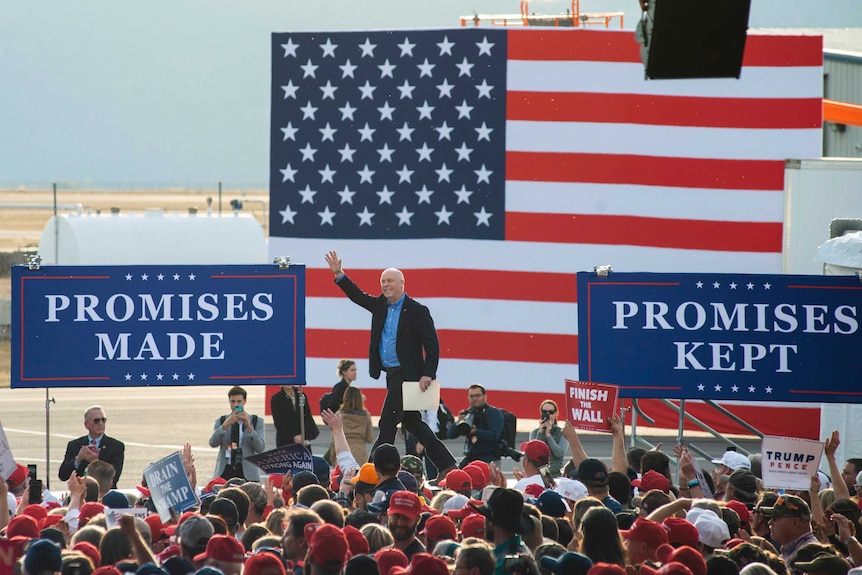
[388, 135]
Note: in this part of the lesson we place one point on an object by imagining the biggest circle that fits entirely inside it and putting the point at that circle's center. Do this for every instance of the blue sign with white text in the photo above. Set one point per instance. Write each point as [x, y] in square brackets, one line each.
[722, 336]
[293, 458]
[170, 488]
[116, 326]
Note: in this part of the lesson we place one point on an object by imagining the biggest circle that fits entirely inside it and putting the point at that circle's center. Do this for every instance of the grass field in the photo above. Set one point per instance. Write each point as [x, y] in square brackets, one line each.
[24, 213]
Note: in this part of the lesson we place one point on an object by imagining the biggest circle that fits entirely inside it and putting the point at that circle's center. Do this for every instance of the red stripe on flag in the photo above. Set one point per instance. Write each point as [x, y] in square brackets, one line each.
[458, 344]
[621, 46]
[745, 113]
[573, 45]
[646, 170]
[783, 51]
[638, 231]
[455, 283]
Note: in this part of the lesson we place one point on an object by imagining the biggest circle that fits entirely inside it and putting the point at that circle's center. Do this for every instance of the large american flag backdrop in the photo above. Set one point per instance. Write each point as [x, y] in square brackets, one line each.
[491, 165]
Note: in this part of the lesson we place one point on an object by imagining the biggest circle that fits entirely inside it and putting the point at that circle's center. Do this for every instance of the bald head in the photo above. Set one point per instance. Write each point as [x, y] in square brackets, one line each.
[392, 284]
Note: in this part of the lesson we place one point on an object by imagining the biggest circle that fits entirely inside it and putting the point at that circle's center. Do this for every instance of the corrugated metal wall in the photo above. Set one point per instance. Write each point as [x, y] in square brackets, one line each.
[842, 81]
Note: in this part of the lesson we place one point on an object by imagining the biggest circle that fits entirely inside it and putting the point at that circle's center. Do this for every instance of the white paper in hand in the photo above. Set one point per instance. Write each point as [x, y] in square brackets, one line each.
[414, 399]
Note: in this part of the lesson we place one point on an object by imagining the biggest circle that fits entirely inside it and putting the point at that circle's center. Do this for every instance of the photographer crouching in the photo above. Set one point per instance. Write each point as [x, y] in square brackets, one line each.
[482, 425]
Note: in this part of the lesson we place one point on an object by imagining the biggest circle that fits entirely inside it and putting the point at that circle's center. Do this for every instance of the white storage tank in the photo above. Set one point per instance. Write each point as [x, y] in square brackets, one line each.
[152, 237]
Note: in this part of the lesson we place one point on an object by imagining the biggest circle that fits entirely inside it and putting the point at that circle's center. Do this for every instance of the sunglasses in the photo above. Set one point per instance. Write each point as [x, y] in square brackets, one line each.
[548, 412]
[100, 420]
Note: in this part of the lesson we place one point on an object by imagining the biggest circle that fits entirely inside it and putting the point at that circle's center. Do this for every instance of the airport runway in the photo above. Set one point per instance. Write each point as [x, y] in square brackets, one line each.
[155, 421]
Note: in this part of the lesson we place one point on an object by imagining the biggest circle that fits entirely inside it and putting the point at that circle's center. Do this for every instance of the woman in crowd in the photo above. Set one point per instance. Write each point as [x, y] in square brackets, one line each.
[551, 433]
[357, 424]
[600, 538]
[346, 370]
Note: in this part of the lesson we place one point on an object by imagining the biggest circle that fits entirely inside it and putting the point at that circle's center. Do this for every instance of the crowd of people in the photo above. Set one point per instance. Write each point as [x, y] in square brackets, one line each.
[384, 516]
[377, 512]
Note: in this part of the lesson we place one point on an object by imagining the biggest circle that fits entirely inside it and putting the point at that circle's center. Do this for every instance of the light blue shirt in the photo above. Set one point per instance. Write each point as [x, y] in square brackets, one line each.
[388, 355]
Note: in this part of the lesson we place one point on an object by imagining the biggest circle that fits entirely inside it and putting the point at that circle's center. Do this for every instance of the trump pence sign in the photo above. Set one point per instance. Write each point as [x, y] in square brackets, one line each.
[114, 326]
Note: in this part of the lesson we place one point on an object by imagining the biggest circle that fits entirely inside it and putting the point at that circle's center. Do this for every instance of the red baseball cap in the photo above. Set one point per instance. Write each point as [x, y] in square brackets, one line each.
[484, 467]
[356, 540]
[681, 532]
[223, 548]
[423, 564]
[440, 527]
[327, 545]
[473, 526]
[157, 529]
[212, 484]
[169, 551]
[741, 510]
[89, 550]
[477, 478]
[652, 480]
[89, 510]
[22, 525]
[17, 477]
[457, 480]
[468, 509]
[52, 520]
[537, 451]
[649, 532]
[37, 512]
[390, 558]
[405, 503]
[534, 490]
[688, 556]
[260, 563]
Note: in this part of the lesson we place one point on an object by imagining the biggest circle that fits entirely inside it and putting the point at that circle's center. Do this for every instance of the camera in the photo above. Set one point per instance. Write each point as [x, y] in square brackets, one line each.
[467, 423]
[546, 416]
[545, 472]
[504, 450]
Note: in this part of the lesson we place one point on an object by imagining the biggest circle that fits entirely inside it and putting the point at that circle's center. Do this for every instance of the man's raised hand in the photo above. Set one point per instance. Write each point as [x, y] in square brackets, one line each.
[334, 262]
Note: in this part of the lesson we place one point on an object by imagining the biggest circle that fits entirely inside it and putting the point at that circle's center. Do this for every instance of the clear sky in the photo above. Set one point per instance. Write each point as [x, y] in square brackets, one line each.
[176, 92]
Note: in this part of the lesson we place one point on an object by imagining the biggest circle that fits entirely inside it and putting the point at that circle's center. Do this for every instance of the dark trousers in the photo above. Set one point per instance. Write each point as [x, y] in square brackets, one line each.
[231, 471]
[393, 413]
[410, 442]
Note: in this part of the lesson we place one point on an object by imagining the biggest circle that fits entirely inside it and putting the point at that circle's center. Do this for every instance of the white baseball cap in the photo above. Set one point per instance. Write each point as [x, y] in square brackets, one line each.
[571, 489]
[711, 529]
[733, 460]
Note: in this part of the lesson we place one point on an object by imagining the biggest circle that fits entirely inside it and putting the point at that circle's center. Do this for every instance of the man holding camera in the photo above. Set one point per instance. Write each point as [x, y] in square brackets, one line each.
[482, 425]
[237, 436]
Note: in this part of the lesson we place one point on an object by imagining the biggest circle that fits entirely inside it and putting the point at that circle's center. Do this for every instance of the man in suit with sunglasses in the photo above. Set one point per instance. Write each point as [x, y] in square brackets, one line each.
[95, 445]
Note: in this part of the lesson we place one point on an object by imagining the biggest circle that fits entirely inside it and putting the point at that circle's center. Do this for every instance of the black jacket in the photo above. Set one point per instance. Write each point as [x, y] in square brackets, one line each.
[285, 416]
[416, 342]
[337, 397]
[111, 451]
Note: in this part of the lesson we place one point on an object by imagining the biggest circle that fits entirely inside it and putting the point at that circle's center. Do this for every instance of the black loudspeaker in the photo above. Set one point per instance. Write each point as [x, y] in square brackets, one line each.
[693, 38]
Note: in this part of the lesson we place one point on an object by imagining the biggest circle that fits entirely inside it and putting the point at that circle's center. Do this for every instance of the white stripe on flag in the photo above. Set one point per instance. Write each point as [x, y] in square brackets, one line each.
[628, 78]
[460, 314]
[668, 141]
[644, 201]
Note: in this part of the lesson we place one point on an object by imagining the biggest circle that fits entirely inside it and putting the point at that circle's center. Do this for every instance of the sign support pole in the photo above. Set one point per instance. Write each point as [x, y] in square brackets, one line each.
[48, 402]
